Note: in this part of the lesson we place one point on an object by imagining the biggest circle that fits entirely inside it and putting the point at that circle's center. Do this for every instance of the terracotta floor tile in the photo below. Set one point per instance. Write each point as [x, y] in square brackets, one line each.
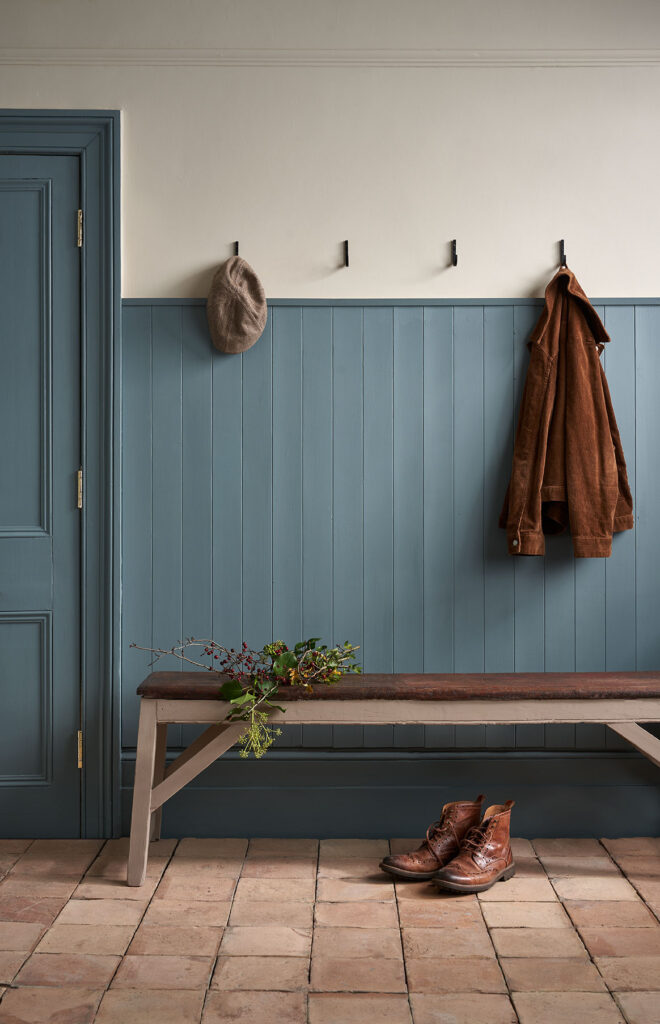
[132, 1006]
[273, 941]
[356, 1009]
[594, 889]
[568, 848]
[253, 914]
[189, 867]
[639, 847]
[525, 915]
[279, 867]
[160, 972]
[622, 941]
[181, 940]
[640, 1007]
[102, 912]
[356, 915]
[537, 942]
[630, 972]
[530, 867]
[522, 848]
[610, 913]
[551, 974]
[268, 973]
[14, 846]
[35, 909]
[347, 867]
[567, 1007]
[82, 970]
[357, 975]
[447, 942]
[19, 935]
[114, 889]
[251, 1007]
[649, 890]
[533, 890]
[195, 913]
[11, 962]
[404, 845]
[50, 1006]
[66, 858]
[441, 913]
[86, 938]
[454, 974]
[357, 942]
[375, 848]
[467, 1008]
[344, 890]
[419, 891]
[579, 867]
[24, 885]
[284, 847]
[205, 849]
[280, 889]
[641, 867]
[193, 888]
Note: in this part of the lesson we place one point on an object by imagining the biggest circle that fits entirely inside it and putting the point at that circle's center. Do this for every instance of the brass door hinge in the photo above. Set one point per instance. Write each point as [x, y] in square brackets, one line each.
[79, 229]
[80, 748]
[79, 488]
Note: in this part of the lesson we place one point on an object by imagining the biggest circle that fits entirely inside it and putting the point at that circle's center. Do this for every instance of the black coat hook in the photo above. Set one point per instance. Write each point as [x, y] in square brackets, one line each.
[454, 254]
[562, 254]
[346, 253]
[235, 248]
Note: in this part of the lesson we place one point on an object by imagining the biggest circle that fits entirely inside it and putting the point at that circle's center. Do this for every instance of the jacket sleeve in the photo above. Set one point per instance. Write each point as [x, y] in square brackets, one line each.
[521, 514]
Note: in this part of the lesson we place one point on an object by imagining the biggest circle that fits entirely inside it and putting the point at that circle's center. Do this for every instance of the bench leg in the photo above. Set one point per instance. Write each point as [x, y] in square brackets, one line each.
[159, 775]
[138, 849]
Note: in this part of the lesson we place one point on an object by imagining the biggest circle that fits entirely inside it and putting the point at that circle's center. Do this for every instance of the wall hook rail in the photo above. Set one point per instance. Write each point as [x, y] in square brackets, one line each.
[346, 262]
[454, 253]
[562, 254]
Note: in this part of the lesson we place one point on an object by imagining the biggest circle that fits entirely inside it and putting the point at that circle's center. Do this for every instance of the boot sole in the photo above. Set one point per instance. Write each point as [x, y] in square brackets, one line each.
[412, 876]
[457, 887]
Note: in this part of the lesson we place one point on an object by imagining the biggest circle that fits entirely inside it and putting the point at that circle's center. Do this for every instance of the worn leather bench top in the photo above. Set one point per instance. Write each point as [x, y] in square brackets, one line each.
[402, 686]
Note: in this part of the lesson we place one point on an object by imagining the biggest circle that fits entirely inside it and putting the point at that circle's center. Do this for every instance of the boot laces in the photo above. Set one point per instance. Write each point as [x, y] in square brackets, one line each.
[478, 836]
[444, 825]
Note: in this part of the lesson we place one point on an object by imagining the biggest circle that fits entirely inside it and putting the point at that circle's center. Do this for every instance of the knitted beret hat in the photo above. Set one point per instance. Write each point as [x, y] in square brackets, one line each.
[236, 306]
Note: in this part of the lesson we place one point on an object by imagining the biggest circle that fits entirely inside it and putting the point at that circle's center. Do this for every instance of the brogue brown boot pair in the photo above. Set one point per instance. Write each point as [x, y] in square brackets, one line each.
[442, 843]
[462, 852]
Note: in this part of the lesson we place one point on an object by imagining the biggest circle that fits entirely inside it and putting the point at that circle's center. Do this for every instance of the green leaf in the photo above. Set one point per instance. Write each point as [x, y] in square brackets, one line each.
[231, 690]
[284, 662]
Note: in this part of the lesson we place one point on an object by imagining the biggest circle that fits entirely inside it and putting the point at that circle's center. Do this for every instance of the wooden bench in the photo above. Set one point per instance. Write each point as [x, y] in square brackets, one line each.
[620, 700]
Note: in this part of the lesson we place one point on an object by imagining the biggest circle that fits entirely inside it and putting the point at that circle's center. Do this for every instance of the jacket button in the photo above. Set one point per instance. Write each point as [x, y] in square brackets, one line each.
[514, 543]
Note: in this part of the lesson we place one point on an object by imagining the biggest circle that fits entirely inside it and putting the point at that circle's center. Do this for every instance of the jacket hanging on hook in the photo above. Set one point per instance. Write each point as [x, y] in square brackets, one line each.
[569, 470]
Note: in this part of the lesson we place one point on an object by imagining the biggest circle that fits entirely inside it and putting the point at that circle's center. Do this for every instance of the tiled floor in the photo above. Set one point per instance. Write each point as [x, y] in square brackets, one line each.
[291, 931]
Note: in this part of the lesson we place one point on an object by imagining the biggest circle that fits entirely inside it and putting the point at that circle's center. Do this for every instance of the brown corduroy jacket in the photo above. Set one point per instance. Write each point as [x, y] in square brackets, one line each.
[568, 464]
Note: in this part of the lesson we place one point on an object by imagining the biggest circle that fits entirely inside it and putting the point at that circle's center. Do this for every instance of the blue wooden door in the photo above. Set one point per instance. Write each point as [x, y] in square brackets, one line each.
[40, 378]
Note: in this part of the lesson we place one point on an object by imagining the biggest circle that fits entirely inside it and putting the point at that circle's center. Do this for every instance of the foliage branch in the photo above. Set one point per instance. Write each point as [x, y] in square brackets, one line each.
[255, 678]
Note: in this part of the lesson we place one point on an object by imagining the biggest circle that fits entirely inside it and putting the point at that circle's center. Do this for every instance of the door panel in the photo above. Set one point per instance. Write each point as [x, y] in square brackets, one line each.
[39, 521]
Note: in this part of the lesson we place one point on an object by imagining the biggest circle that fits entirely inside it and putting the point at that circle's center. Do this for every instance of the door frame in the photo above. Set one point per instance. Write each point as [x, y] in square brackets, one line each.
[94, 137]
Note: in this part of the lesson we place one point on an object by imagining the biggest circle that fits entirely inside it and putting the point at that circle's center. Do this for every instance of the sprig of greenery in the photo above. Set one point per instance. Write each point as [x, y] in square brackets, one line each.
[256, 677]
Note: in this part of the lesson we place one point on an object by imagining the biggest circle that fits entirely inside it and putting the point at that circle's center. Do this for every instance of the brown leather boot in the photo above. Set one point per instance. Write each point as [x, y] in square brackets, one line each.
[443, 841]
[485, 856]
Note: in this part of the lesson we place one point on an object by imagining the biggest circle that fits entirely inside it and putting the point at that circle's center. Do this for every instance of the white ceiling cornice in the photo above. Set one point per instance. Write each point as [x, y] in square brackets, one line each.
[324, 58]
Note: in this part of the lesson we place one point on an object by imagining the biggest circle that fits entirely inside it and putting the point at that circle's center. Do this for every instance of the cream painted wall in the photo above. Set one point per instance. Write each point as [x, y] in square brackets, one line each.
[399, 159]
